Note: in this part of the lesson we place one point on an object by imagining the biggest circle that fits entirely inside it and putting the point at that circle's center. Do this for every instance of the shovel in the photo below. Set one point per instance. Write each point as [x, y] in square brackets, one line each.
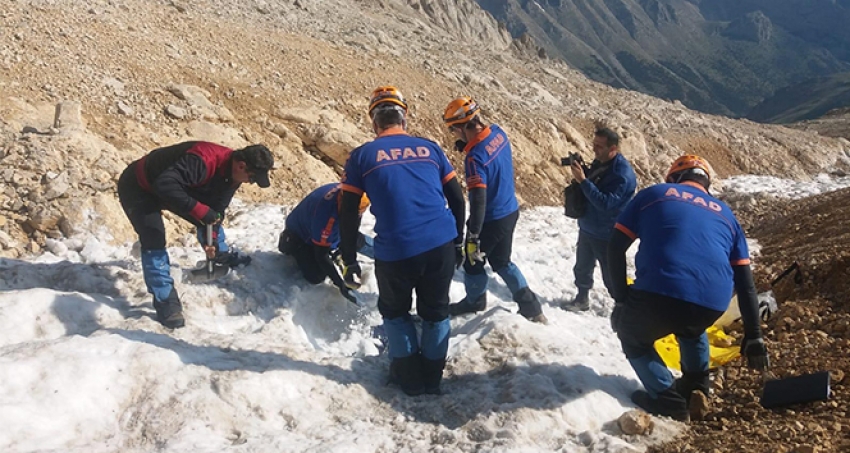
[210, 270]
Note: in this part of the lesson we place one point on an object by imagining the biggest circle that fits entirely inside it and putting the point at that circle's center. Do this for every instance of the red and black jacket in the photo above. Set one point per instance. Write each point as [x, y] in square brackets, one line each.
[190, 178]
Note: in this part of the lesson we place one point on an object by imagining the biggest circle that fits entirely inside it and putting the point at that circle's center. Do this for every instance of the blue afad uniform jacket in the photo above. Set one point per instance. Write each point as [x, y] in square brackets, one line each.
[403, 177]
[689, 242]
[607, 195]
[489, 165]
[316, 218]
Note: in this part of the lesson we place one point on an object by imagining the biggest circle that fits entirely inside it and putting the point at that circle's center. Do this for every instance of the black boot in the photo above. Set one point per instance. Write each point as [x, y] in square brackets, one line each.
[690, 382]
[529, 306]
[580, 303]
[432, 375]
[465, 306]
[406, 372]
[169, 312]
[694, 387]
[669, 403]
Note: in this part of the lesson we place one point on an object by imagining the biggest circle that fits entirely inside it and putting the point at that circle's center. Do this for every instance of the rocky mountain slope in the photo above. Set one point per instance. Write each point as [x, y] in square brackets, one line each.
[87, 88]
[719, 56]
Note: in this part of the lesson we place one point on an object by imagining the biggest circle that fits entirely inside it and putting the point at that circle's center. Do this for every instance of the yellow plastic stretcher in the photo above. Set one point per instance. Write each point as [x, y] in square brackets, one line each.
[720, 353]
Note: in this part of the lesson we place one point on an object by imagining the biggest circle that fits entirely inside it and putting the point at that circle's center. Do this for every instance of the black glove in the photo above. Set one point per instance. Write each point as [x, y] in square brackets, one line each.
[212, 218]
[473, 249]
[755, 352]
[460, 145]
[458, 256]
[352, 274]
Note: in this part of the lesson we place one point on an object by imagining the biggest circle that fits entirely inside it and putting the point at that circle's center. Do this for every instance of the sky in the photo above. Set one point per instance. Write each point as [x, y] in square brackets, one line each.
[270, 363]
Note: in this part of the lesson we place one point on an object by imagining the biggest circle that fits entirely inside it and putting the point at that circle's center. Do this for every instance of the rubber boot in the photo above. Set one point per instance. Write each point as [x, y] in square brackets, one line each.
[432, 375]
[669, 403]
[580, 303]
[435, 346]
[529, 306]
[406, 372]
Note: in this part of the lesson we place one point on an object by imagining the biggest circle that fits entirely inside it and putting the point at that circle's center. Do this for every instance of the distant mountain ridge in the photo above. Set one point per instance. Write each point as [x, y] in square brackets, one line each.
[718, 56]
[807, 100]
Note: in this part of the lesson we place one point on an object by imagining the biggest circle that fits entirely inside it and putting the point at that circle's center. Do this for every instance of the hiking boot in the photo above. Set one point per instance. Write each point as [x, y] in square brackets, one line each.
[169, 312]
[668, 404]
[464, 306]
[580, 303]
[529, 306]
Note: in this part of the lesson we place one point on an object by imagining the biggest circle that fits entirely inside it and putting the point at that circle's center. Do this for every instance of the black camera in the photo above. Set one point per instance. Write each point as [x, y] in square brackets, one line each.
[573, 157]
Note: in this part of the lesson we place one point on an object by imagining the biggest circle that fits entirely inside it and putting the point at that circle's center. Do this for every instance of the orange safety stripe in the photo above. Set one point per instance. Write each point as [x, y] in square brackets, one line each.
[626, 231]
[477, 139]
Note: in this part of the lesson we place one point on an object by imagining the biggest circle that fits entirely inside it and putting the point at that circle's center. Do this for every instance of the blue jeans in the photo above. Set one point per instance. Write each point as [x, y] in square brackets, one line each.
[644, 318]
[589, 250]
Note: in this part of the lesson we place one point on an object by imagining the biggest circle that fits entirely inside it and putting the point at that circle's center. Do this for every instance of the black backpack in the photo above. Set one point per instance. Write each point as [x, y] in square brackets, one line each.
[575, 203]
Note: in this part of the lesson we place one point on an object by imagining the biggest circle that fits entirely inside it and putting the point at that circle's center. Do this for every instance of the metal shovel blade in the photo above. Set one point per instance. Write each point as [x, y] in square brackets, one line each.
[206, 274]
[210, 270]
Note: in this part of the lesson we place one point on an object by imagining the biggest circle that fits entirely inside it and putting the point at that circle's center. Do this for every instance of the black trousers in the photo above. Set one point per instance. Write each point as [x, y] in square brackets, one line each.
[143, 209]
[305, 257]
[646, 317]
[429, 274]
[497, 241]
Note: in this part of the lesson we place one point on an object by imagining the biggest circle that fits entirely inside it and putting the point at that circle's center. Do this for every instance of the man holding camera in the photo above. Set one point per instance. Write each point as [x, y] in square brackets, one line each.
[608, 185]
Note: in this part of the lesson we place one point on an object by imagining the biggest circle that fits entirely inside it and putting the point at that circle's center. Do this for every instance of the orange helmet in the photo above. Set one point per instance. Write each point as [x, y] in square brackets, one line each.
[689, 162]
[460, 111]
[386, 94]
[364, 203]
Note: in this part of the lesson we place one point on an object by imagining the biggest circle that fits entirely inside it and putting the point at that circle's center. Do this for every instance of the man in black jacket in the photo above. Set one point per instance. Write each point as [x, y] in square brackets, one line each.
[195, 180]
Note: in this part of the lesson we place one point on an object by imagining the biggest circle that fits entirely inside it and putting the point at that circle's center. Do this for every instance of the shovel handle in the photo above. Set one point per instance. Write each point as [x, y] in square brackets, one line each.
[210, 263]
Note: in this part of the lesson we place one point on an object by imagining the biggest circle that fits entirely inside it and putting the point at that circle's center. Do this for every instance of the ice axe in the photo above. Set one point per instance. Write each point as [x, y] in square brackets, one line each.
[210, 270]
